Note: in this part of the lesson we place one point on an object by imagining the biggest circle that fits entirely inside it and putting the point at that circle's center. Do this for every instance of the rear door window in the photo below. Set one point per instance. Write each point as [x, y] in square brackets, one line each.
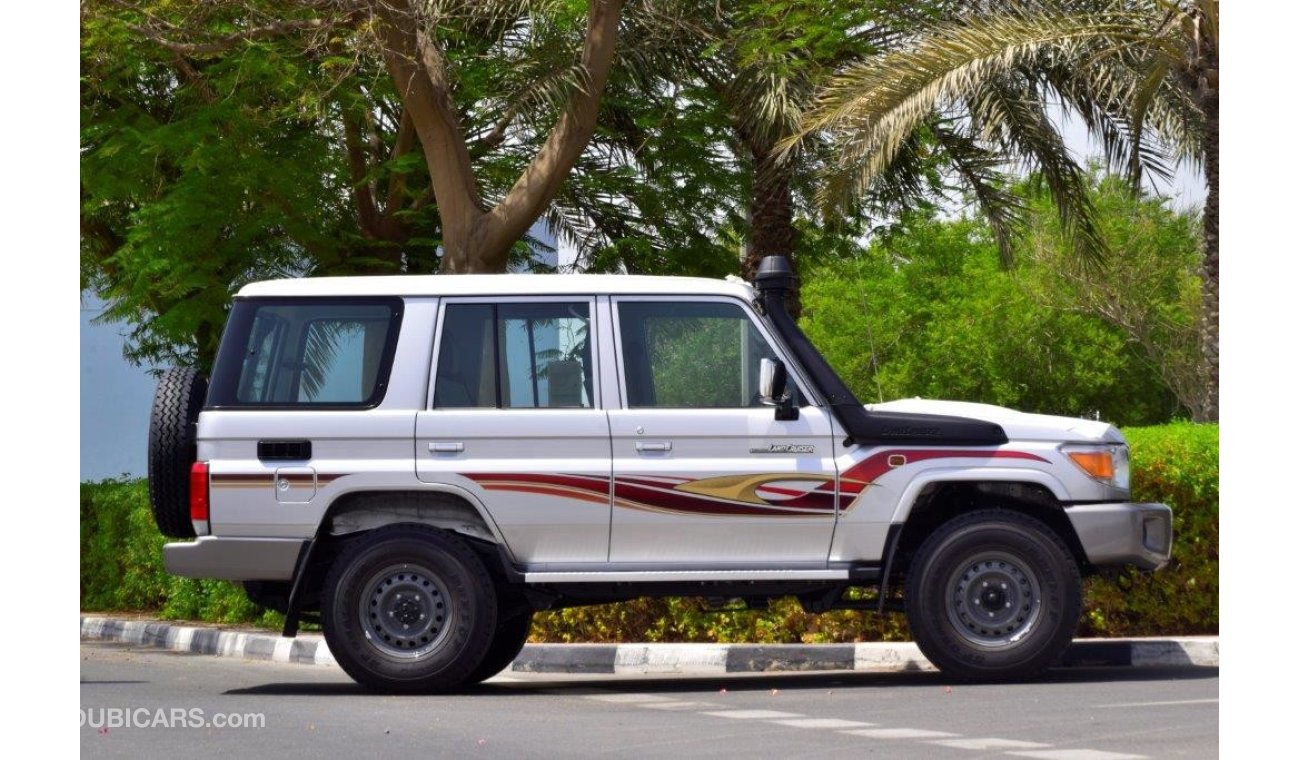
[515, 356]
[311, 353]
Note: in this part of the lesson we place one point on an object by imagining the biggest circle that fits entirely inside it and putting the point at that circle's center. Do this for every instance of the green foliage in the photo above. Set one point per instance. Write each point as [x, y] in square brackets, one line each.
[195, 178]
[1148, 289]
[928, 310]
[209, 160]
[1178, 465]
[689, 619]
[121, 570]
[121, 564]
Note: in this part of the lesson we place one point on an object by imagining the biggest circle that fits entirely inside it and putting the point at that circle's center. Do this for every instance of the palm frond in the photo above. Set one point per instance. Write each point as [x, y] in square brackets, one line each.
[1014, 117]
[979, 169]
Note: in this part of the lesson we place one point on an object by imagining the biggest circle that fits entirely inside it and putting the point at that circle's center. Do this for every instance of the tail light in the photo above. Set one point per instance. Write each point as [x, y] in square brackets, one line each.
[199, 502]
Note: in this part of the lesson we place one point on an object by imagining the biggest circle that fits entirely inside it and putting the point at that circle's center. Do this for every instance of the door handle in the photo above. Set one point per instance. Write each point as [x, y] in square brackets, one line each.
[446, 447]
[654, 446]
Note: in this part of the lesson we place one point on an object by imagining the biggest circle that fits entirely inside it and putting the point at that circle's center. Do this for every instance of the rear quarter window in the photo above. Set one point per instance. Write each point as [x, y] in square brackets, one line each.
[306, 353]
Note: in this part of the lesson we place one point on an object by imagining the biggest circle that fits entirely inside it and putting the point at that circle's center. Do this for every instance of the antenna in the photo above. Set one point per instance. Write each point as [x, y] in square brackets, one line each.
[875, 364]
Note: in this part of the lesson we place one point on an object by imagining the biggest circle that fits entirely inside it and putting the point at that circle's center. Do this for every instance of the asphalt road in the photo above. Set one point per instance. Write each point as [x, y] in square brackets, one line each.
[175, 701]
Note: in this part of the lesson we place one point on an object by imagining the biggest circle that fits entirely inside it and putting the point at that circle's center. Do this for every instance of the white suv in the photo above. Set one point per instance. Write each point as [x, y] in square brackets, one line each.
[424, 462]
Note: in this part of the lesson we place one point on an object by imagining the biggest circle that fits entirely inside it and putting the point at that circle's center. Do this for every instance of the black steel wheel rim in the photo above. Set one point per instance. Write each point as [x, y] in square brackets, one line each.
[993, 600]
[405, 611]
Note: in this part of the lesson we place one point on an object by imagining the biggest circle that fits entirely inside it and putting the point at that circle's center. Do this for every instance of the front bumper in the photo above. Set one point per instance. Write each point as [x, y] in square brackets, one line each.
[1124, 533]
[234, 559]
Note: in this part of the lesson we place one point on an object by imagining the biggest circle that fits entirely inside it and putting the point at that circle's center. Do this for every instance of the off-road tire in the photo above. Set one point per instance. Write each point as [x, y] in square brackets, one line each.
[176, 405]
[993, 595]
[408, 609]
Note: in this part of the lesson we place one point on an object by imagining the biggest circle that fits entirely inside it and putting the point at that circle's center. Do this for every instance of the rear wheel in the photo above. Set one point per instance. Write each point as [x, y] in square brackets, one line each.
[993, 595]
[509, 641]
[409, 608]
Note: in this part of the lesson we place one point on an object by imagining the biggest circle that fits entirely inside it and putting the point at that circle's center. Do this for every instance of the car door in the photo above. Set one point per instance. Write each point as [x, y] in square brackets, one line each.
[704, 473]
[514, 418]
[304, 404]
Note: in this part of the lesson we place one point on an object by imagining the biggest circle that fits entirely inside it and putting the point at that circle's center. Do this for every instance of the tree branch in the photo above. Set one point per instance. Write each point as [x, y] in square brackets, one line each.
[419, 72]
[401, 146]
[222, 44]
[542, 179]
[495, 137]
[357, 169]
[191, 75]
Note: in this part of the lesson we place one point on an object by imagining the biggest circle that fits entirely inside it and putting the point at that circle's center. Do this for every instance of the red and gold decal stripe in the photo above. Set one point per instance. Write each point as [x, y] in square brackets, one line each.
[783, 494]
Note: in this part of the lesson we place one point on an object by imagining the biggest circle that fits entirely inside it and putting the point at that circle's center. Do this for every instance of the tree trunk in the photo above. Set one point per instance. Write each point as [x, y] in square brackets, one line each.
[771, 216]
[1209, 97]
[476, 238]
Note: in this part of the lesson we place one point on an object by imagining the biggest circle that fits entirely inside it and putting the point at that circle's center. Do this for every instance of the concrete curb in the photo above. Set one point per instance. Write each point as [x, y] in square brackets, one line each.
[697, 659]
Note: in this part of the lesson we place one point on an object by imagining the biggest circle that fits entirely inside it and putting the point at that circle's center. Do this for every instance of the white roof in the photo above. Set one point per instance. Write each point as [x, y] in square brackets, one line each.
[499, 284]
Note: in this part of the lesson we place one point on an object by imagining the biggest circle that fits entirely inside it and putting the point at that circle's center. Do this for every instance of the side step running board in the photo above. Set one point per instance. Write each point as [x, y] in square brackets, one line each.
[641, 576]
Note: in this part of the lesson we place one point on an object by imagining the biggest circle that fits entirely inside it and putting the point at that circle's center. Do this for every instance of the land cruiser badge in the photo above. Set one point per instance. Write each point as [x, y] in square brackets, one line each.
[783, 448]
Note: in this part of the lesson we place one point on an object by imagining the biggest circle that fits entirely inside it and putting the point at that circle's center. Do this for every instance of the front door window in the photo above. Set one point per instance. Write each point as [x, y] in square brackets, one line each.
[690, 355]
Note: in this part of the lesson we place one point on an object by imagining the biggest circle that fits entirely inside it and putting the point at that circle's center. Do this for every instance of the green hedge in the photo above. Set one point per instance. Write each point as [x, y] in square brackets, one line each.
[1178, 465]
[121, 570]
[121, 564]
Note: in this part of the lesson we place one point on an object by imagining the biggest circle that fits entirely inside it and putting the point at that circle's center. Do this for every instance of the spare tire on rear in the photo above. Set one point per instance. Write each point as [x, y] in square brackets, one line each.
[172, 450]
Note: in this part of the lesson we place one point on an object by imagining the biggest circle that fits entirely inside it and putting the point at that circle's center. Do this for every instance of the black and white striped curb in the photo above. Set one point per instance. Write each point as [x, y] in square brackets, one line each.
[305, 649]
[701, 659]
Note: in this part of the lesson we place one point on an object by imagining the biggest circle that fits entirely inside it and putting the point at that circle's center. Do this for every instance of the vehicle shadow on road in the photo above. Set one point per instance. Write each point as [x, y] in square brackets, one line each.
[525, 684]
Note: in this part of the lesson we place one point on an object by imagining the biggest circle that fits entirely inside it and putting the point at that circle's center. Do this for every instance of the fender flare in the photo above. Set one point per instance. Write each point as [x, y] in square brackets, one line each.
[458, 492]
[973, 475]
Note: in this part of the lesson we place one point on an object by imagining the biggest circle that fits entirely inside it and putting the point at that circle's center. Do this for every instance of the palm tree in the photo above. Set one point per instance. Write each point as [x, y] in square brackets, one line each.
[984, 87]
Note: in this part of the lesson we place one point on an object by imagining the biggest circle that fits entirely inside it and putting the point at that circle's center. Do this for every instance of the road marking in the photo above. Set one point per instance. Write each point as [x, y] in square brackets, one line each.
[1014, 747]
[754, 714]
[633, 698]
[899, 733]
[1077, 754]
[1165, 704]
[989, 743]
[823, 723]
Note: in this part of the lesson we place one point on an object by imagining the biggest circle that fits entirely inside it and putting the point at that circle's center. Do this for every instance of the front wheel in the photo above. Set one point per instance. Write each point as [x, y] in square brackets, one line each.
[407, 609]
[993, 595]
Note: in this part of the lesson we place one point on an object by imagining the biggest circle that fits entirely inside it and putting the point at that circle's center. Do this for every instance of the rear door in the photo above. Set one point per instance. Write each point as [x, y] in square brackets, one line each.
[514, 418]
[704, 473]
[304, 404]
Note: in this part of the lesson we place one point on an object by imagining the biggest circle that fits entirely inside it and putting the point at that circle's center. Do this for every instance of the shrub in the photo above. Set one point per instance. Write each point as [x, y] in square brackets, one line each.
[1176, 464]
[121, 564]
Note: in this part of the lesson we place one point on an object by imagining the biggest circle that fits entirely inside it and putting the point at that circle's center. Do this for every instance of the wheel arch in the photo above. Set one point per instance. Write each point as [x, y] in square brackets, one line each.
[445, 507]
[357, 513]
[933, 503]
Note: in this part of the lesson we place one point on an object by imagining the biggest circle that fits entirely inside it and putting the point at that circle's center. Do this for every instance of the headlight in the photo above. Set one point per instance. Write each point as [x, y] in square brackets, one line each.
[1107, 462]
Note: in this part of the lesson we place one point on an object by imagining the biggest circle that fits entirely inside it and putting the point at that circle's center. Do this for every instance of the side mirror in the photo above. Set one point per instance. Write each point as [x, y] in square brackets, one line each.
[772, 379]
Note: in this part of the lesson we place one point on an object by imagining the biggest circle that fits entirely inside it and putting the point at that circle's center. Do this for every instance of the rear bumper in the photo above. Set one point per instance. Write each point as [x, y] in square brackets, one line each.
[234, 559]
[1124, 534]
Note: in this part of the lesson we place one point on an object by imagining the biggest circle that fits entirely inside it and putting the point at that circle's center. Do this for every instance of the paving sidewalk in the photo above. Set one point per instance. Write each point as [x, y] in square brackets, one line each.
[703, 659]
